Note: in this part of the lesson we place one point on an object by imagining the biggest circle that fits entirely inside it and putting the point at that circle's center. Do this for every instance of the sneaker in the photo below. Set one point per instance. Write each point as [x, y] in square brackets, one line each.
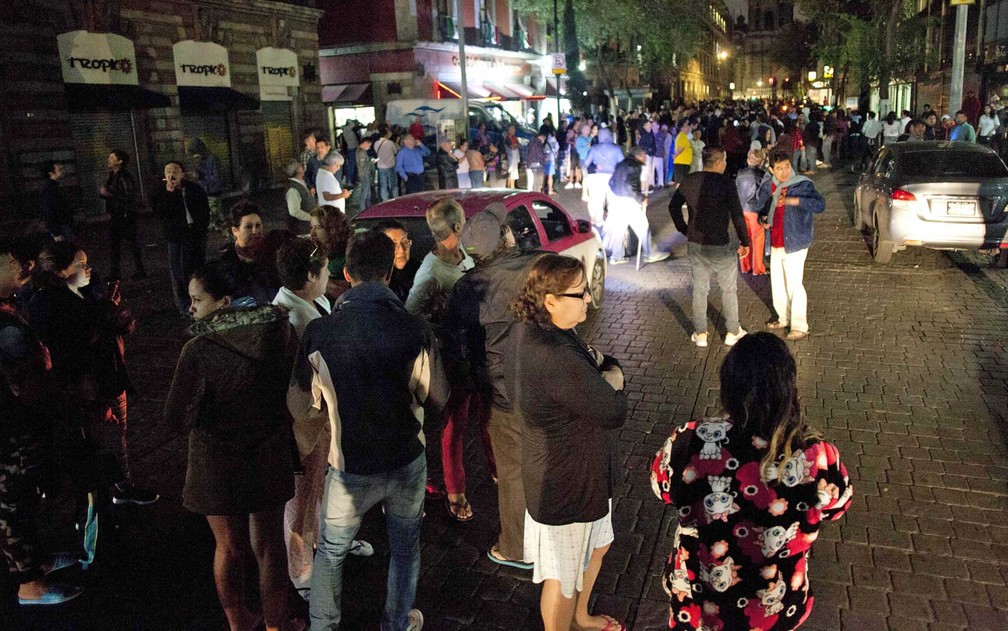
[731, 338]
[126, 493]
[700, 339]
[360, 548]
[54, 594]
[613, 261]
[415, 620]
[577, 185]
[657, 257]
[568, 187]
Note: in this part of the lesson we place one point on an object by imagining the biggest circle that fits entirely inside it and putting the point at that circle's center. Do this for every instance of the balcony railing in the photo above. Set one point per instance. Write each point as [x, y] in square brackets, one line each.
[487, 35]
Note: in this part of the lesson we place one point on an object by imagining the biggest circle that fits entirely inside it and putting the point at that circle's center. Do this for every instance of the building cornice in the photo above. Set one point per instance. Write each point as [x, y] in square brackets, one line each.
[265, 7]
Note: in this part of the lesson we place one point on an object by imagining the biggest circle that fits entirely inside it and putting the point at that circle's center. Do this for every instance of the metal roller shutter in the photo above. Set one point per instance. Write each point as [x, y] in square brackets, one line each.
[279, 132]
[213, 130]
[95, 135]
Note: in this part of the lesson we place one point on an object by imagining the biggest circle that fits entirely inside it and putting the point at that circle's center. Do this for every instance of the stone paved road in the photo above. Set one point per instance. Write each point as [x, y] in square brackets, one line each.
[906, 370]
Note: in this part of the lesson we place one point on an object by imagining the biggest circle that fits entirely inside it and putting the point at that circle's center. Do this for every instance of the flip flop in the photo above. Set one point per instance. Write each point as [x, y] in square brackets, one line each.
[495, 555]
[459, 509]
[612, 624]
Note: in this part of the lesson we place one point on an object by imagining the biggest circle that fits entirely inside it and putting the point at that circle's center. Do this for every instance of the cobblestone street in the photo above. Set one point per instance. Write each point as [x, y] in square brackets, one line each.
[906, 370]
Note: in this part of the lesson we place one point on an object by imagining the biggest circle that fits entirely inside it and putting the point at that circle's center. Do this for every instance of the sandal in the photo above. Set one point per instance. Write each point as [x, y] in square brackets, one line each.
[461, 510]
[612, 624]
[494, 554]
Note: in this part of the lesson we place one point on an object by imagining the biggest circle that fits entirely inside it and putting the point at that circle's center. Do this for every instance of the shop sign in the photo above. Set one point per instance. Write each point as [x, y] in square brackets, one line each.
[278, 70]
[201, 64]
[97, 58]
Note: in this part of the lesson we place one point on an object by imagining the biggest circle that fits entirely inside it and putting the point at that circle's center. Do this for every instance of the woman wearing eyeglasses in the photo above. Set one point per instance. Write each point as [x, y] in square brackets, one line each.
[229, 394]
[570, 398]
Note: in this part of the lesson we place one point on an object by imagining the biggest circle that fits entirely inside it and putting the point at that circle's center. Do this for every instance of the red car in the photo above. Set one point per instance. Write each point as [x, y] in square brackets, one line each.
[537, 221]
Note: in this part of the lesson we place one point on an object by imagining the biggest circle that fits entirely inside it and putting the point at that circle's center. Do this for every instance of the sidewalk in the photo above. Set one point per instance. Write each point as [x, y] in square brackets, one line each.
[905, 370]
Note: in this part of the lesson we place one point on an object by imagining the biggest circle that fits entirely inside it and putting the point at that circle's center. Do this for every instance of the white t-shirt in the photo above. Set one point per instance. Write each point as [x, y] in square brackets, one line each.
[463, 165]
[987, 125]
[892, 130]
[326, 182]
[386, 150]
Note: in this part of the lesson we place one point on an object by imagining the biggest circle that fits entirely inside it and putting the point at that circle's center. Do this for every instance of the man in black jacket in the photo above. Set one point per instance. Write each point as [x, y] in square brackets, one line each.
[479, 322]
[713, 203]
[378, 370]
[627, 204]
[184, 211]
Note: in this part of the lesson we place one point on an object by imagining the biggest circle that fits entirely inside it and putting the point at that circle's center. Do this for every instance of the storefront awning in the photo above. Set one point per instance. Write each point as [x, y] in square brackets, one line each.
[453, 90]
[116, 98]
[509, 91]
[201, 99]
[348, 93]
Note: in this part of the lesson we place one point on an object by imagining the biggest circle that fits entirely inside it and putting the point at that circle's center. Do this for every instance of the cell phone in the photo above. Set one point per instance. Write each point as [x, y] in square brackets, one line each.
[113, 287]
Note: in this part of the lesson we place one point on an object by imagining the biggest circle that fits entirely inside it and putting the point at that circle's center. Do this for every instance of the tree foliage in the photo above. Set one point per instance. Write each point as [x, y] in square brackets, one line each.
[868, 41]
[609, 33]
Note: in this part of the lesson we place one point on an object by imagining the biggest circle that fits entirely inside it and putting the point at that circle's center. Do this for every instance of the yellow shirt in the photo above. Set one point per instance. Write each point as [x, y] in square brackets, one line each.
[682, 145]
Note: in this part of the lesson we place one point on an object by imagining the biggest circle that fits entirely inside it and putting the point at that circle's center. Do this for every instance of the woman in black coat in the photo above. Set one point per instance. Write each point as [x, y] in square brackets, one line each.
[571, 400]
[84, 330]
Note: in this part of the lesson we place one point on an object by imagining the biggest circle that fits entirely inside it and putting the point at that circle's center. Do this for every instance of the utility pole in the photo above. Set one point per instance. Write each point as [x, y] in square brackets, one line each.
[959, 53]
[556, 49]
[462, 66]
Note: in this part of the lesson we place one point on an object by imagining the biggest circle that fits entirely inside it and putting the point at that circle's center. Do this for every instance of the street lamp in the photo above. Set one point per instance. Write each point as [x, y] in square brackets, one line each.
[582, 66]
[723, 55]
[759, 83]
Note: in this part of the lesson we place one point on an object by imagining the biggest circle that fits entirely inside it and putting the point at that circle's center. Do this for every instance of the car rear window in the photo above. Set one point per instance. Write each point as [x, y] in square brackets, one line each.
[945, 163]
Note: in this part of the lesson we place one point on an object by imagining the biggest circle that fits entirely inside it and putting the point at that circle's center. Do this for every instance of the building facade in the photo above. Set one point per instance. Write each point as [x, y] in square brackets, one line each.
[758, 75]
[402, 49]
[84, 77]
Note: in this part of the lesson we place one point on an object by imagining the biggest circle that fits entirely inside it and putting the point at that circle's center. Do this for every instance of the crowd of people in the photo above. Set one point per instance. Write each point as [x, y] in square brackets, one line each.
[329, 373]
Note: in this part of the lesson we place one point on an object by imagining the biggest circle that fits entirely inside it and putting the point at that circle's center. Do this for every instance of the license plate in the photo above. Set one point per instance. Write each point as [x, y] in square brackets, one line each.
[961, 209]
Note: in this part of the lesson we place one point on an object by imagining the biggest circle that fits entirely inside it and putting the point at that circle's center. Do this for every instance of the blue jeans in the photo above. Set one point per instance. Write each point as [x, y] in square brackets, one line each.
[346, 498]
[388, 184]
[720, 261]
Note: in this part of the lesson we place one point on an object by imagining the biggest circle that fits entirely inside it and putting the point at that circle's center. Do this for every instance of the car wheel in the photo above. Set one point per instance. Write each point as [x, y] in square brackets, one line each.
[881, 249]
[597, 284]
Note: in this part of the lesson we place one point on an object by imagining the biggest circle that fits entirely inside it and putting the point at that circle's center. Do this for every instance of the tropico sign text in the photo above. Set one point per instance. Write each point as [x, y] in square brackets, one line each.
[105, 65]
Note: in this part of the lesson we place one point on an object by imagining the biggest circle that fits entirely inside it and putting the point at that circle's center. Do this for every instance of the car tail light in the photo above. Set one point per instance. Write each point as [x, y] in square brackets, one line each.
[899, 195]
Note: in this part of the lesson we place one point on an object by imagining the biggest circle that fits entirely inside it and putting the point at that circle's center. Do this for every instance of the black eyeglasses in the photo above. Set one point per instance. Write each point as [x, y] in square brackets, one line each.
[579, 295]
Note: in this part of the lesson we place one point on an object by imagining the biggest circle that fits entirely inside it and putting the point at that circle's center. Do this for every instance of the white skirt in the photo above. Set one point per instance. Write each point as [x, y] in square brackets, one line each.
[562, 552]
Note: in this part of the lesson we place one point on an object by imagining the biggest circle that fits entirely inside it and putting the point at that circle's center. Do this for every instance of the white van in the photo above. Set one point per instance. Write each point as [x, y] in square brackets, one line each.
[433, 112]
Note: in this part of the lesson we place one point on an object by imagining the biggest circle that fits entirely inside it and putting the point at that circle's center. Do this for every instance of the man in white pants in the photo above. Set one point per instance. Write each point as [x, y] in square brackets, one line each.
[627, 203]
[788, 202]
[599, 165]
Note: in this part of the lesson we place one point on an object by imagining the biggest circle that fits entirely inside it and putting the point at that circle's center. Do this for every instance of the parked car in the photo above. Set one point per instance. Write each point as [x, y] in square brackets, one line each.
[935, 194]
[537, 221]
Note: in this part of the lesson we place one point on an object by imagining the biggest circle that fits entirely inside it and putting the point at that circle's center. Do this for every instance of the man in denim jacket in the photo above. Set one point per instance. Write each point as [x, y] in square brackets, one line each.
[787, 202]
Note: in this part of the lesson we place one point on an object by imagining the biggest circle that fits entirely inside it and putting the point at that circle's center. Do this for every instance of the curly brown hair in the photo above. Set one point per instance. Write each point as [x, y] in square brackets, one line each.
[549, 274]
[336, 227]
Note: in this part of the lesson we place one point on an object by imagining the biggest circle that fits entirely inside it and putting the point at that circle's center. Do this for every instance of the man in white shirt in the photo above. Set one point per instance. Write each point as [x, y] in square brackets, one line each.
[388, 181]
[327, 186]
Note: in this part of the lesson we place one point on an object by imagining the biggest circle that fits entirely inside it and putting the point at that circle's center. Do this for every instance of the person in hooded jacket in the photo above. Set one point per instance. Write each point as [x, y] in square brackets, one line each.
[749, 182]
[600, 164]
[228, 394]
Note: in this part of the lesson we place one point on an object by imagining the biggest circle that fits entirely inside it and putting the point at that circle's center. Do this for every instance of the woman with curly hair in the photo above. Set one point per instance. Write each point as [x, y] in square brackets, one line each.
[569, 457]
[330, 230]
[752, 489]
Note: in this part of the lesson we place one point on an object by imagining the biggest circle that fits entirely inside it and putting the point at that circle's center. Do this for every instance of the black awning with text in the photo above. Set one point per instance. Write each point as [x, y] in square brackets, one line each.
[118, 98]
[214, 99]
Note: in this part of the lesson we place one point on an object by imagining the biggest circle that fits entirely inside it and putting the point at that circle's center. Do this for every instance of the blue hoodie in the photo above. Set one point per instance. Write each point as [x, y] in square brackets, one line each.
[605, 155]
